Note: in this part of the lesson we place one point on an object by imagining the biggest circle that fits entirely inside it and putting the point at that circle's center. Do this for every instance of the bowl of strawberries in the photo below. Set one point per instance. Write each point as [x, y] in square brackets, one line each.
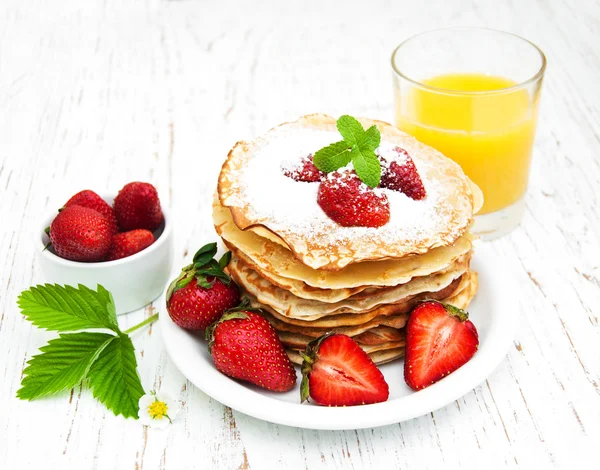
[123, 242]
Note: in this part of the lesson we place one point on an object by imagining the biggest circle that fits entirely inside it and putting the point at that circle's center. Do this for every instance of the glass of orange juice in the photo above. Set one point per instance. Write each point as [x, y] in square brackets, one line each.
[473, 94]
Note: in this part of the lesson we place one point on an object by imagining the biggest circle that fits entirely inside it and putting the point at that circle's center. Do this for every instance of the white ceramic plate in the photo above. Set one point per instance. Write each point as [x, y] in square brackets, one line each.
[495, 324]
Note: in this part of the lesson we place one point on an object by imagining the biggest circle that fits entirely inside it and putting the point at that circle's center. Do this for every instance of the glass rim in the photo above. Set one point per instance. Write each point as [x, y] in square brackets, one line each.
[539, 74]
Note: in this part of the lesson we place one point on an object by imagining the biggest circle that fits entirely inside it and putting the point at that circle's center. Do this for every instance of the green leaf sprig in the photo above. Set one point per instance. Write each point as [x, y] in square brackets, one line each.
[106, 360]
[203, 266]
[357, 147]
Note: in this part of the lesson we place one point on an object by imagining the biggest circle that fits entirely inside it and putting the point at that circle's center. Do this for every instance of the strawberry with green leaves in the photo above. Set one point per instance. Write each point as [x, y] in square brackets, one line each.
[245, 346]
[337, 372]
[203, 291]
[354, 196]
[440, 338]
[358, 146]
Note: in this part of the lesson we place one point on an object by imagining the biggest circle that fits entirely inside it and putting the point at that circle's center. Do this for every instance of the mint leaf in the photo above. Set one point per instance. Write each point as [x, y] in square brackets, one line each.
[358, 145]
[367, 166]
[370, 139]
[59, 308]
[332, 157]
[64, 362]
[114, 379]
[351, 129]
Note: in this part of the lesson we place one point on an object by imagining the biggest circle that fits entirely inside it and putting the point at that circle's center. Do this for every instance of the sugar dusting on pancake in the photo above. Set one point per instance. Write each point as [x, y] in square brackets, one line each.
[285, 205]
[254, 187]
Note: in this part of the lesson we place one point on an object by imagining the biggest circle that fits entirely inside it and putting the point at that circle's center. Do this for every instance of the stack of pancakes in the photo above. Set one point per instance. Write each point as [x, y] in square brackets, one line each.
[310, 275]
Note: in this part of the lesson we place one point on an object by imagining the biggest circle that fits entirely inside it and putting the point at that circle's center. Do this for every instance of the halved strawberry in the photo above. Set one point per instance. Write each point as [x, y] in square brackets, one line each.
[402, 176]
[306, 171]
[439, 340]
[350, 202]
[337, 372]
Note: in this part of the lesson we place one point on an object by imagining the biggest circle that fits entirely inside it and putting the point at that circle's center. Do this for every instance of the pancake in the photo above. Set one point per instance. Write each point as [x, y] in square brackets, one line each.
[290, 305]
[266, 233]
[380, 334]
[325, 320]
[459, 294]
[267, 257]
[378, 357]
[297, 341]
[393, 321]
[254, 190]
[464, 295]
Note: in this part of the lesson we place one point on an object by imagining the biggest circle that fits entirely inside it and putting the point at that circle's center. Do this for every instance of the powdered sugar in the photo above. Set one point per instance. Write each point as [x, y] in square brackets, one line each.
[390, 152]
[287, 206]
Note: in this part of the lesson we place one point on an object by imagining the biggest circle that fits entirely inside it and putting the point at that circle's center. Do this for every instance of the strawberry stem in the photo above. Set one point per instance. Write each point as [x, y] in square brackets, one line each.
[147, 321]
[456, 312]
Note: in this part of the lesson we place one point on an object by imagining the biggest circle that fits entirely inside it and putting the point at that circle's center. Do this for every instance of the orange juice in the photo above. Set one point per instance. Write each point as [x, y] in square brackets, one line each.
[488, 130]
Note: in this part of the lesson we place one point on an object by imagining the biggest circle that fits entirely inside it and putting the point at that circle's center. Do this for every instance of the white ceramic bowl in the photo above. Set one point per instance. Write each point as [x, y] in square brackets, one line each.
[134, 281]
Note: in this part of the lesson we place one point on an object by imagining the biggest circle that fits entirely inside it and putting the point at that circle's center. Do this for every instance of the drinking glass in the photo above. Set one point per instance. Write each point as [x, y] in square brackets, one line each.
[473, 94]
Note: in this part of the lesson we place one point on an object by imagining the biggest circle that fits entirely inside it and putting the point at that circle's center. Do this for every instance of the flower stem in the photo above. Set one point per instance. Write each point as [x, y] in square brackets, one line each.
[147, 321]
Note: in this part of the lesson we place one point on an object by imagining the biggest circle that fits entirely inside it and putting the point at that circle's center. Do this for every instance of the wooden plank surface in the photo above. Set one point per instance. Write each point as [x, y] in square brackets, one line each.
[96, 94]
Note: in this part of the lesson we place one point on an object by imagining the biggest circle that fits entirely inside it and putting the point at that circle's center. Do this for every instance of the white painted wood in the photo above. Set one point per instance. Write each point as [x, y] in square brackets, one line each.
[95, 94]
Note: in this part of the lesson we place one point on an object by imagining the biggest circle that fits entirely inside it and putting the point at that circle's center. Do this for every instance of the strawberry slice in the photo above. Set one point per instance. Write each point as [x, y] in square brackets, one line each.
[401, 175]
[439, 340]
[337, 372]
[350, 202]
[306, 171]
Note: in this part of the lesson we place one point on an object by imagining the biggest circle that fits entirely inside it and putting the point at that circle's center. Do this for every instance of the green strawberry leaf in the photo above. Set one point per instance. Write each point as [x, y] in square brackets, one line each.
[351, 129]
[456, 312]
[332, 157]
[113, 377]
[370, 139]
[64, 362]
[205, 254]
[203, 282]
[225, 259]
[367, 166]
[65, 308]
[106, 360]
[179, 282]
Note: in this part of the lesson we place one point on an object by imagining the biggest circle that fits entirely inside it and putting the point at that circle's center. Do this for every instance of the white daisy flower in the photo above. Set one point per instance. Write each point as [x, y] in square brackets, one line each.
[157, 410]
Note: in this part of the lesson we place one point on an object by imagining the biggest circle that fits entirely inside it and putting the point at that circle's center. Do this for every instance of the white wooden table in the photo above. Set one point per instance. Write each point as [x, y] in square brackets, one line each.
[96, 94]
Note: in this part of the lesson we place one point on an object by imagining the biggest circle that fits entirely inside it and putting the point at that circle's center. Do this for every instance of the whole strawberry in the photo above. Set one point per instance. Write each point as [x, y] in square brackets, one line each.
[246, 347]
[402, 176]
[439, 339]
[137, 206]
[125, 244]
[350, 202]
[81, 234]
[202, 292]
[91, 200]
[337, 372]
